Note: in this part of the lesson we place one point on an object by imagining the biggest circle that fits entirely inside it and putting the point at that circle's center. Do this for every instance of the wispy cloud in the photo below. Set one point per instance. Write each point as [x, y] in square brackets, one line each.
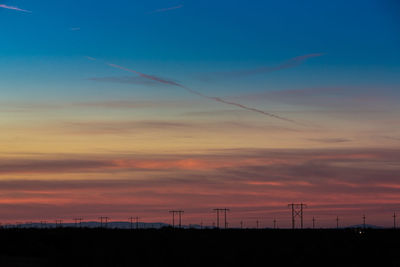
[91, 58]
[118, 127]
[166, 9]
[217, 99]
[14, 8]
[247, 180]
[124, 79]
[330, 140]
[109, 104]
[75, 29]
[293, 62]
[341, 99]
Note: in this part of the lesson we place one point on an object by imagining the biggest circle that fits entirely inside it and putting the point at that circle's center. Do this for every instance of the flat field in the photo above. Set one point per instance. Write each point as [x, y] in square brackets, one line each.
[185, 247]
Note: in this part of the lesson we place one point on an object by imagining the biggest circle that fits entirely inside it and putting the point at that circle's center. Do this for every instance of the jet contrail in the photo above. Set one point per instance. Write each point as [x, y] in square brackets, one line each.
[220, 100]
[166, 9]
[91, 58]
[293, 62]
[14, 8]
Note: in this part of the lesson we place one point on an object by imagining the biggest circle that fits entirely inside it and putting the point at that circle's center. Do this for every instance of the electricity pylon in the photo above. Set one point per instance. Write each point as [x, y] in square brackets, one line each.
[297, 211]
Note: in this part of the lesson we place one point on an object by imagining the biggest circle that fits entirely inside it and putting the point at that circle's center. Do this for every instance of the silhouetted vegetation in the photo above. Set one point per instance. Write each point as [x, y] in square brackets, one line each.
[179, 247]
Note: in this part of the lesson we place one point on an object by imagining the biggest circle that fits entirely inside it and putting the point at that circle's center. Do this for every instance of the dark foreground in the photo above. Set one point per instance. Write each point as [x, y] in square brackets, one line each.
[168, 247]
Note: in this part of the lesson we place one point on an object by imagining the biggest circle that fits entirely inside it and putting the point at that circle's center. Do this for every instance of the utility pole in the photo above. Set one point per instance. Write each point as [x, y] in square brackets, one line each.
[257, 224]
[180, 217]
[217, 210]
[105, 220]
[297, 211]
[394, 220]
[179, 212]
[76, 220]
[241, 224]
[364, 221]
[274, 223]
[337, 222]
[225, 222]
[313, 222]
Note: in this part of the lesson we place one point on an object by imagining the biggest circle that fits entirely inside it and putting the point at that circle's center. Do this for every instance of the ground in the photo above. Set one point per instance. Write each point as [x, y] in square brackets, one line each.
[174, 247]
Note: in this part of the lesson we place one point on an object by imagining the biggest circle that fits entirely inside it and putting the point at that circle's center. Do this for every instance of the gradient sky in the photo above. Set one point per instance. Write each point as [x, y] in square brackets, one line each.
[82, 138]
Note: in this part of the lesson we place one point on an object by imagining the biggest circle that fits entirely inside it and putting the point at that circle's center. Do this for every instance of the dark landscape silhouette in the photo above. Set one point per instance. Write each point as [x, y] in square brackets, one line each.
[193, 247]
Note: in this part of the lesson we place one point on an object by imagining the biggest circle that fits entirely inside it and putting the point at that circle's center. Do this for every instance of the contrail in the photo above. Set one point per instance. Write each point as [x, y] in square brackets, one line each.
[293, 62]
[166, 9]
[91, 58]
[217, 99]
[14, 8]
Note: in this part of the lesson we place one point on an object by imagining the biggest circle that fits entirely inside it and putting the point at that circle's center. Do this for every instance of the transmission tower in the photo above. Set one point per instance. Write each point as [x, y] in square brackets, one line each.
[394, 220]
[225, 221]
[313, 222]
[297, 211]
[274, 223]
[337, 222]
[179, 212]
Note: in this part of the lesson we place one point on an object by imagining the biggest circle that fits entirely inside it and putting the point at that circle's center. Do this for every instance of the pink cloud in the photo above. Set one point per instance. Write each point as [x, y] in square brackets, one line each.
[253, 183]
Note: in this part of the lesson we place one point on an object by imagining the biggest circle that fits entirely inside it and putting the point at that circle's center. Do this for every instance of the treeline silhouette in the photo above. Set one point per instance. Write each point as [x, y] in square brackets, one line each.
[193, 247]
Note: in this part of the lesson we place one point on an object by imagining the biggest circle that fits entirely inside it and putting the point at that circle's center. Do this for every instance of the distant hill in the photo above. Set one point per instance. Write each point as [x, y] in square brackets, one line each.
[93, 224]
[368, 226]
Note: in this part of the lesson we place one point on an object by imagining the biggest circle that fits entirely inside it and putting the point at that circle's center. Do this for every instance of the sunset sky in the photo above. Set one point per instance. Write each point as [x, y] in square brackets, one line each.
[132, 108]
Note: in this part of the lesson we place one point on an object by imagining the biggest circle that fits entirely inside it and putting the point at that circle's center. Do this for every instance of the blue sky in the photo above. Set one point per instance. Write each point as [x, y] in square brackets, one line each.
[360, 37]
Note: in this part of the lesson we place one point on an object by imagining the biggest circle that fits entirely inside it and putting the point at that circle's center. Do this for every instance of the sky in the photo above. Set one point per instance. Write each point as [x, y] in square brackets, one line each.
[133, 108]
